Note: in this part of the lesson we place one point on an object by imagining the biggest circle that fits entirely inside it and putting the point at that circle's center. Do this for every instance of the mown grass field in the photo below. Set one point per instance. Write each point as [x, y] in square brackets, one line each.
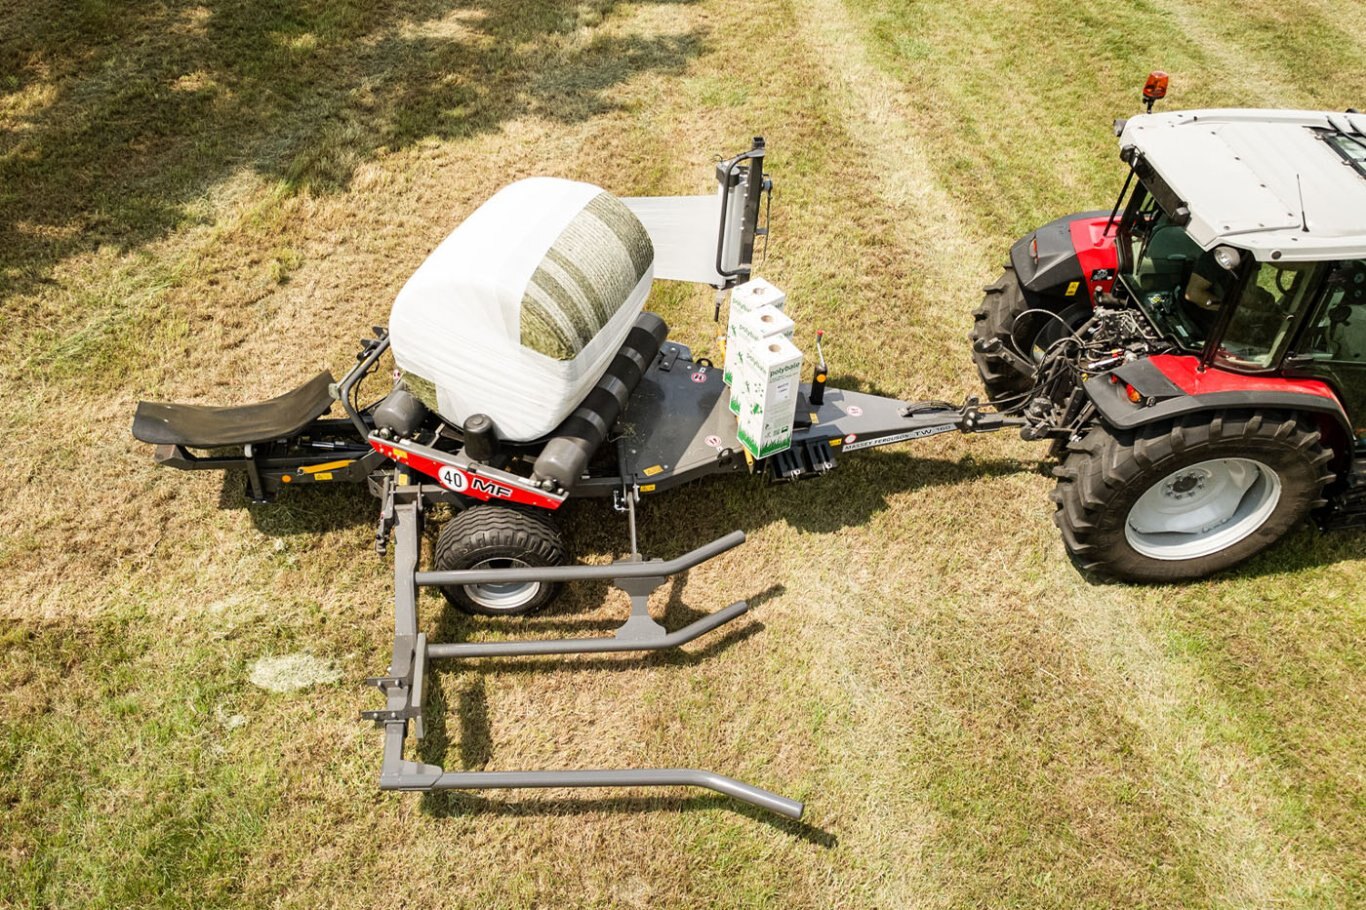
[210, 202]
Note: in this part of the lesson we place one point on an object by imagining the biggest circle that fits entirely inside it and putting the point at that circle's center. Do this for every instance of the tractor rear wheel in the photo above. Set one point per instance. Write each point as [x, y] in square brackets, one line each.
[1181, 500]
[1003, 324]
[498, 537]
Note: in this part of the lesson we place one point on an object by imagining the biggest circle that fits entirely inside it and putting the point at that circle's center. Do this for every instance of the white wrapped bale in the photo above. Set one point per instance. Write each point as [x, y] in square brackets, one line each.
[518, 312]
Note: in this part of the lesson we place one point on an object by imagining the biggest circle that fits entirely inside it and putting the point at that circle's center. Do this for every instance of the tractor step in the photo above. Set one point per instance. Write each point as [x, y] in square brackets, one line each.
[1348, 509]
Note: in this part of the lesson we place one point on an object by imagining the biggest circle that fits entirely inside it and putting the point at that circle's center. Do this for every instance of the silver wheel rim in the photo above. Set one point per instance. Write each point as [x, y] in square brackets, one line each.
[503, 598]
[1202, 508]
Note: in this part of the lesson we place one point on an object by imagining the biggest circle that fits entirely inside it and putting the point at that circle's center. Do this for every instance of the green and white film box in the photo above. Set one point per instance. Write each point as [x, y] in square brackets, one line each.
[768, 378]
[745, 298]
[752, 329]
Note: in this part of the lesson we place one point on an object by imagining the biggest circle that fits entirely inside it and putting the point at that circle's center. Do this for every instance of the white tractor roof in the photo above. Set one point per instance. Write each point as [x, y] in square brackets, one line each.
[1242, 174]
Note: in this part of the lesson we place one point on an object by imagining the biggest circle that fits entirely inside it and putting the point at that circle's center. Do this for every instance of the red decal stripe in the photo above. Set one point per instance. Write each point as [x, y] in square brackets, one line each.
[473, 484]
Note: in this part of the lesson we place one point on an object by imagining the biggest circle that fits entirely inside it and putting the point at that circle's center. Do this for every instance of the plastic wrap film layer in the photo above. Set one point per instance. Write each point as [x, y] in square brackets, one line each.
[518, 312]
[685, 230]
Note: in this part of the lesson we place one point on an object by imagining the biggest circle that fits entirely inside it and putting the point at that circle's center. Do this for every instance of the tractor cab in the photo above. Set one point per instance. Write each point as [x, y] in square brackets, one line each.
[1240, 314]
[1243, 243]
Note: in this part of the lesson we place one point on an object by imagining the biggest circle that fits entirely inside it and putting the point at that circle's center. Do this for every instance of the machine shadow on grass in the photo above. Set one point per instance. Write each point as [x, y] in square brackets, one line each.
[146, 107]
[675, 521]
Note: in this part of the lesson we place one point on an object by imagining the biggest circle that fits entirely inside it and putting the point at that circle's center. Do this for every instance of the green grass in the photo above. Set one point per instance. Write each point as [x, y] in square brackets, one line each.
[208, 202]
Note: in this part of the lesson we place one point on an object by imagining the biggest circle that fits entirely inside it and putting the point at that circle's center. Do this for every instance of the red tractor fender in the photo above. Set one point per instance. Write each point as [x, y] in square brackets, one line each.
[1057, 261]
[1166, 386]
[1094, 242]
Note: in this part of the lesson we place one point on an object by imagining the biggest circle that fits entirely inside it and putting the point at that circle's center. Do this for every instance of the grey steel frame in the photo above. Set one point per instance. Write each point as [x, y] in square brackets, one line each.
[403, 687]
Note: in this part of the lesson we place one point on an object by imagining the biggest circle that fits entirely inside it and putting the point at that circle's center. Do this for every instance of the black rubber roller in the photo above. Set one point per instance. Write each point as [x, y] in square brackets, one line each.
[566, 454]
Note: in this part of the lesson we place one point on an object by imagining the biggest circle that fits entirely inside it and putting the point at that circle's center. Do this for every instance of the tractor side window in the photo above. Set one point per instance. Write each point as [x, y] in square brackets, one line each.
[1157, 259]
[1339, 330]
[1265, 314]
[1161, 254]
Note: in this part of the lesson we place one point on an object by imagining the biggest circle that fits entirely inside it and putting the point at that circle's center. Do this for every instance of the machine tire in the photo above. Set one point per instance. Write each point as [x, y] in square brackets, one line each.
[997, 323]
[493, 536]
[1107, 473]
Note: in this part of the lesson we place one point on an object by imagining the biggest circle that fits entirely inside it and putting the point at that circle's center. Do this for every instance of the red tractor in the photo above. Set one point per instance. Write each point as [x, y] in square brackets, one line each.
[1198, 353]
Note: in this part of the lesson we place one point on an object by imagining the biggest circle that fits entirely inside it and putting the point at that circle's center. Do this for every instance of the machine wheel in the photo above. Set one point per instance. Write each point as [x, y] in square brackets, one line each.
[1000, 326]
[1178, 501]
[495, 537]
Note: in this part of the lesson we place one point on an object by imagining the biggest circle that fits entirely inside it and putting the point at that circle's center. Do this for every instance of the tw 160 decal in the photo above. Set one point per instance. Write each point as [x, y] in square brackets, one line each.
[897, 437]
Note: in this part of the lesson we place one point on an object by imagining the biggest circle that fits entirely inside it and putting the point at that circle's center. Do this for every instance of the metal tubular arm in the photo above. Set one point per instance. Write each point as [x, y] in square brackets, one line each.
[643, 777]
[403, 686]
[366, 362]
[589, 645]
[642, 569]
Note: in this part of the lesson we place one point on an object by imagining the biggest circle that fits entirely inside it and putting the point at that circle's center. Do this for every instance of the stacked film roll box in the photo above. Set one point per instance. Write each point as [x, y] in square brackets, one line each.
[763, 368]
[744, 298]
[748, 332]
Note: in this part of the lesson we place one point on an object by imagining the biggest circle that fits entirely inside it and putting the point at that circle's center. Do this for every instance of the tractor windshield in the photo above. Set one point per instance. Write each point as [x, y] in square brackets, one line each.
[1267, 309]
[1187, 293]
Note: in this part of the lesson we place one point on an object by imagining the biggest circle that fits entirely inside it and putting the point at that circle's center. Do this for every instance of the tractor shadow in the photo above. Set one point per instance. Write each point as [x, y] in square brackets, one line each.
[126, 116]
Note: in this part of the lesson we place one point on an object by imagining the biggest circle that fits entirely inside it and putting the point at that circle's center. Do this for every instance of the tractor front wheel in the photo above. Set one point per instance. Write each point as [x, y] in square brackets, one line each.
[1182, 500]
[1010, 335]
[498, 537]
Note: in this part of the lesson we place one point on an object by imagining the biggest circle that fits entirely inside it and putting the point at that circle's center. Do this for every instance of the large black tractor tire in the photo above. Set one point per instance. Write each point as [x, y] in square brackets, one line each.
[1181, 500]
[1000, 325]
[494, 537]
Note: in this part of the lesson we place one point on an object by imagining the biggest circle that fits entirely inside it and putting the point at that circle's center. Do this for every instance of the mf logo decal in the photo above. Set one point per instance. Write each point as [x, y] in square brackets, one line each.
[490, 488]
[459, 481]
[899, 437]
